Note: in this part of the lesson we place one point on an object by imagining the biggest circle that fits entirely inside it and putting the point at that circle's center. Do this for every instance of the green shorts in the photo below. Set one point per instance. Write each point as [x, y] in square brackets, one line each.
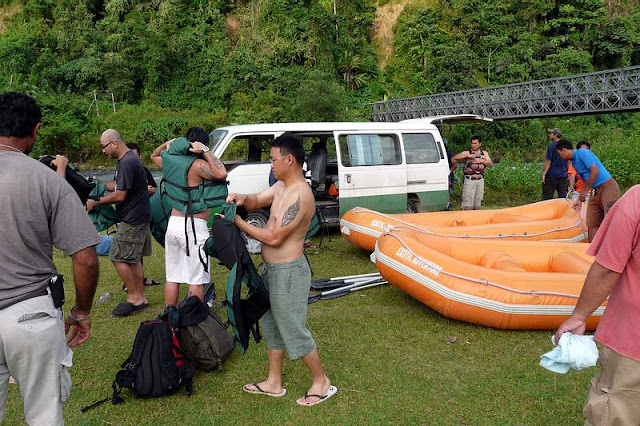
[128, 244]
[285, 324]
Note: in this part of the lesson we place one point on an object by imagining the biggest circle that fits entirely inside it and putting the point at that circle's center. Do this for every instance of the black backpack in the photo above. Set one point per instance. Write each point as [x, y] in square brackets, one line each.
[203, 335]
[157, 365]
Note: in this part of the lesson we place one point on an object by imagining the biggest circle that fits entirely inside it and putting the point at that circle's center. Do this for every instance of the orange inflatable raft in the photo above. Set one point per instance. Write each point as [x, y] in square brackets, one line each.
[531, 285]
[554, 220]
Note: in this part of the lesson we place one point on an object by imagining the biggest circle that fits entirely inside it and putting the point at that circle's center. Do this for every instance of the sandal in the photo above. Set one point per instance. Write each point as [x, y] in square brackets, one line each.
[125, 309]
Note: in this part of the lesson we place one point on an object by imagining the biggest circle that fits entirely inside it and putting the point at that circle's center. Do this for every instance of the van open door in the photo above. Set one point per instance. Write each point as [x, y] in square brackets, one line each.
[371, 172]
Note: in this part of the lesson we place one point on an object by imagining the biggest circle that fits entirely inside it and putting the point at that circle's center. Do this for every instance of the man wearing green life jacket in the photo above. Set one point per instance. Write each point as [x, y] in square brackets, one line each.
[193, 185]
[129, 193]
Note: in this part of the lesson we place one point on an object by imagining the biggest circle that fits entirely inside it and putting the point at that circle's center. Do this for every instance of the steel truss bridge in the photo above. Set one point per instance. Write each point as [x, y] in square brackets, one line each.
[616, 90]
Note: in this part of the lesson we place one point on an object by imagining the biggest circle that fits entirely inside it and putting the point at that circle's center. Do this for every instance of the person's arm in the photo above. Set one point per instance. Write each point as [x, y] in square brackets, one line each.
[487, 161]
[113, 197]
[110, 185]
[85, 276]
[213, 169]
[571, 175]
[462, 156]
[599, 283]
[593, 175]
[252, 202]
[61, 163]
[547, 164]
[278, 232]
[156, 154]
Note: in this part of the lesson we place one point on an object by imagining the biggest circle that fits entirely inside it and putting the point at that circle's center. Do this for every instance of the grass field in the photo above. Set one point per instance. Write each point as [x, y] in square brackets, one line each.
[387, 353]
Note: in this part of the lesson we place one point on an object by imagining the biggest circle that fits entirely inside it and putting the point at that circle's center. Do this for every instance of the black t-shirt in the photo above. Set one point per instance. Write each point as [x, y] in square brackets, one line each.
[130, 176]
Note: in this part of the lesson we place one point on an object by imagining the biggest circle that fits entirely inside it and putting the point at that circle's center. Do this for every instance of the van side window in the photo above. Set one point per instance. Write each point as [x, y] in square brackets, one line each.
[369, 150]
[248, 149]
[420, 148]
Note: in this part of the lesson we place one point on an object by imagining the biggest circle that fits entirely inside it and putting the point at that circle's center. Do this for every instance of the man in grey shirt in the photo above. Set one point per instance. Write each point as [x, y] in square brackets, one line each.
[39, 210]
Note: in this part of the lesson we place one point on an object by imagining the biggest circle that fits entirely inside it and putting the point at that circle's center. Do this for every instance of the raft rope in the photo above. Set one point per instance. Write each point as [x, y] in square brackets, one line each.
[484, 281]
[426, 231]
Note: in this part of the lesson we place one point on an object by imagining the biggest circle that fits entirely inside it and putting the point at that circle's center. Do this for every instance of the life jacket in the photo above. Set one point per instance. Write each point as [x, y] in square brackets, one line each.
[227, 244]
[160, 214]
[175, 191]
[103, 216]
[79, 183]
[471, 168]
[188, 199]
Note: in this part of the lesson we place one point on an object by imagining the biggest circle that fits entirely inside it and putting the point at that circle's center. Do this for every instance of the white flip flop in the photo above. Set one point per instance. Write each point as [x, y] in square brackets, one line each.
[331, 390]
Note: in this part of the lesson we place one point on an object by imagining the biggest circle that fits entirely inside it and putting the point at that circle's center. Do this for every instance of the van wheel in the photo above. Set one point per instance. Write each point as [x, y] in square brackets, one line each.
[259, 219]
[412, 207]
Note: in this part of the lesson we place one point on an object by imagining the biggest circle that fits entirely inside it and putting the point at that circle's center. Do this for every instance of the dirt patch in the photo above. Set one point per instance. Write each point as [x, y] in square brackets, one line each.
[233, 27]
[6, 13]
[386, 17]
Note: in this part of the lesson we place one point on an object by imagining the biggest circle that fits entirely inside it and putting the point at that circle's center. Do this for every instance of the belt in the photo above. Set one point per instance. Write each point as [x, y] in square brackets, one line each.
[602, 185]
[472, 177]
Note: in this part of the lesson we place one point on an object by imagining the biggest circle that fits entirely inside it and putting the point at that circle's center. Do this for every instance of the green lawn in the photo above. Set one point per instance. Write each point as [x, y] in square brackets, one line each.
[386, 352]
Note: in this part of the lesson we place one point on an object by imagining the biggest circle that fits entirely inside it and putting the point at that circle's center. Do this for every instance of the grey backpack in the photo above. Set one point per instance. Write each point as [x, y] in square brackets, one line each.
[203, 335]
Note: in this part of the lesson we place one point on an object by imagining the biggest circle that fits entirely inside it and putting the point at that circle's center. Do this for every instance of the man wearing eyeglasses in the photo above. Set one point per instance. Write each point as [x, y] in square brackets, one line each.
[129, 193]
[287, 274]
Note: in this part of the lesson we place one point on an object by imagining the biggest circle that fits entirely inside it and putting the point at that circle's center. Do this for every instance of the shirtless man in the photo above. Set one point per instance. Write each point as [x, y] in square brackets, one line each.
[287, 274]
[183, 243]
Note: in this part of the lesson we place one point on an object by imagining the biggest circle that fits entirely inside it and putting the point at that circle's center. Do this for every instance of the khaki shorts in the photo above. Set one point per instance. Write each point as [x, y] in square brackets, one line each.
[601, 201]
[472, 193]
[34, 351]
[285, 324]
[128, 244]
[614, 397]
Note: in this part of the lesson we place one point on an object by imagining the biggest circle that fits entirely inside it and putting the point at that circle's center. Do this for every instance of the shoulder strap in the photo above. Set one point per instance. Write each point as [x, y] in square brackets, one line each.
[138, 346]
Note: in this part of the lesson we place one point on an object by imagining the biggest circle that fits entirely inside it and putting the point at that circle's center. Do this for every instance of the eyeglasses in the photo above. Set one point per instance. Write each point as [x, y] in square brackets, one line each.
[273, 160]
[106, 145]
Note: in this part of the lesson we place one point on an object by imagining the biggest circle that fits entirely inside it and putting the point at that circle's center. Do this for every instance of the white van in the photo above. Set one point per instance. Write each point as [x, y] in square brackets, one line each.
[388, 167]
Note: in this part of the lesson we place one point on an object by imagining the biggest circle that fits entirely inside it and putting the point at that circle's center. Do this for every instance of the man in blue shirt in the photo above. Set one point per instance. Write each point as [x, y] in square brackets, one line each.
[605, 188]
[554, 176]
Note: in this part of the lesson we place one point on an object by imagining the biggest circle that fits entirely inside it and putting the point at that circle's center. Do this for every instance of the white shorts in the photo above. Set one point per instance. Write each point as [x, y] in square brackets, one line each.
[179, 267]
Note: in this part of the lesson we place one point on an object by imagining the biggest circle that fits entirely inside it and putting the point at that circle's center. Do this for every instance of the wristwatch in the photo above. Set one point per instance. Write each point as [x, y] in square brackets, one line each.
[204, 149]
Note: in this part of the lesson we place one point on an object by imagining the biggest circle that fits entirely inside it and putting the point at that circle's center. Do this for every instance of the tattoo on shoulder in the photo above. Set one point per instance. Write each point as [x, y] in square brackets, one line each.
[291, 213]
[204, 168]
[218, 164]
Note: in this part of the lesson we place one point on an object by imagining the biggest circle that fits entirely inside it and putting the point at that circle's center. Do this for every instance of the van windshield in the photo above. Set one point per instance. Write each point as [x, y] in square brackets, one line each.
[216, 137]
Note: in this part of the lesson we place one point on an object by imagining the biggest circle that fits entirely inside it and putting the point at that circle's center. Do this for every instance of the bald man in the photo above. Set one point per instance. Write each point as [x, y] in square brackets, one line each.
[129, 193]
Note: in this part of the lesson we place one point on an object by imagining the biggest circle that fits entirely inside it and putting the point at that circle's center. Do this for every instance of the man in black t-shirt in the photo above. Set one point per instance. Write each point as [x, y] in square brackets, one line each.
[129, 193]
[151, 189]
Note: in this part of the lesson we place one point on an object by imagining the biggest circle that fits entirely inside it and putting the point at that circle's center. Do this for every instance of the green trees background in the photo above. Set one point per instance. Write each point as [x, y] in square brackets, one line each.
[171, 64]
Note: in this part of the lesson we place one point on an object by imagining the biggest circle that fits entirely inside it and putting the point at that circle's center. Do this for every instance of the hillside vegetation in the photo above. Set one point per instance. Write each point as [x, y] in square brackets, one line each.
[171, 64]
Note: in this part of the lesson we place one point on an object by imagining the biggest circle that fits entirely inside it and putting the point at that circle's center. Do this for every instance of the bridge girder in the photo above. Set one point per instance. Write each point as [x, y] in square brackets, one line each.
[616, 90]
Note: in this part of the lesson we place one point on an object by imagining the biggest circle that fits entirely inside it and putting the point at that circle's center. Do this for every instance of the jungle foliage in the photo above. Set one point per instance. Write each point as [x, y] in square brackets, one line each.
[171, 64]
